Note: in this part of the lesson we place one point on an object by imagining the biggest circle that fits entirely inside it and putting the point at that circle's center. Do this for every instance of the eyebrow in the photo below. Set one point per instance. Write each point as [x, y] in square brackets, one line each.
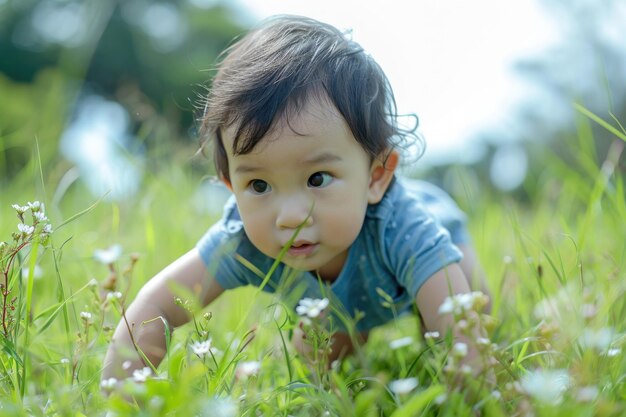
[325, 157]
[244, 169]
[322, 158]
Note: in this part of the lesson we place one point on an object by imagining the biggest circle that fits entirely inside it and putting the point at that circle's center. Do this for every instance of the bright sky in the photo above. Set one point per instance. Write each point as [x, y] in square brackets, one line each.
[449, 61]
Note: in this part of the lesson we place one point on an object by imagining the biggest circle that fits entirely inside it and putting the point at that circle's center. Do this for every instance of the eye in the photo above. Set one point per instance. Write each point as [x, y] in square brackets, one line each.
[319, 180]
[259, 187]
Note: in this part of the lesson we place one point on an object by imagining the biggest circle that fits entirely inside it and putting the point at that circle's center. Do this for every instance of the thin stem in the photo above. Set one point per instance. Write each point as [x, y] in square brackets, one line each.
[144, 359]
[27, 319]
[5, 290]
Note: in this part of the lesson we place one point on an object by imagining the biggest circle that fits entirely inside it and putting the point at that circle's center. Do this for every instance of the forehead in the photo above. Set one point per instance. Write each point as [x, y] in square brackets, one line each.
[317, 117]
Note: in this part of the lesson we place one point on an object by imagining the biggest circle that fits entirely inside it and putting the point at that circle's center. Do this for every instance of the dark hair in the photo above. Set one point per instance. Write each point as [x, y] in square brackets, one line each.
[273, 70]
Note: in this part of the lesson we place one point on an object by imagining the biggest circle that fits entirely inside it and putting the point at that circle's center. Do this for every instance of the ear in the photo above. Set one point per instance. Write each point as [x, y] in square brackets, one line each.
[227, 183]
[381, 175]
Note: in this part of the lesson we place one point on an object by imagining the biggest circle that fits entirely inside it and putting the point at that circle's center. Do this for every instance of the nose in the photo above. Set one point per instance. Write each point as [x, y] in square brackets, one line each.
[293, 212]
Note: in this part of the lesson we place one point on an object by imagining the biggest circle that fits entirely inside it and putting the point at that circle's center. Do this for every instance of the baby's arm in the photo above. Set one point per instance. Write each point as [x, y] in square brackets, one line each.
[155, 299]
[447, 282]
[474, 273]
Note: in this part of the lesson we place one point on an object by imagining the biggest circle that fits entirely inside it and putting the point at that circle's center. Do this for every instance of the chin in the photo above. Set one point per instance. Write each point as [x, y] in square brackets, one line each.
[302, 264]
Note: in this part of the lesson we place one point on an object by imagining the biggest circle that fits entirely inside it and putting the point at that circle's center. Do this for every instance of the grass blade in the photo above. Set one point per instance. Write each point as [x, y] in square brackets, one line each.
[600, 121]
[418, 402]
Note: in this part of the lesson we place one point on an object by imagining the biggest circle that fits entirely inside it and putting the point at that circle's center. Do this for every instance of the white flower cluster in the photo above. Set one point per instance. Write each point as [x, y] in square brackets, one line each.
[85, 316]
[108, 384]
[460, 349]
[400, 343]
[141, 375]
[25, 229]
[109, 255]
[462, 303]
[39, 222]
[201, 348]
[114, 295]
[247, 369]
[403, 386]
[220, 407]
[311, 307]
[546, 385]
[598, 339]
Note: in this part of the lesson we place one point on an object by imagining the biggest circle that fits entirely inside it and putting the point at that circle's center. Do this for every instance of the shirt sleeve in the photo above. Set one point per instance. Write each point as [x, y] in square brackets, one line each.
[442, 206]
[217, 249]
[417, 246]
[230, 257]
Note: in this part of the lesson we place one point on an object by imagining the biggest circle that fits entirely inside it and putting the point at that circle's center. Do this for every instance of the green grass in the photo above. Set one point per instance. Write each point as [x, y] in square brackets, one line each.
[555, 266]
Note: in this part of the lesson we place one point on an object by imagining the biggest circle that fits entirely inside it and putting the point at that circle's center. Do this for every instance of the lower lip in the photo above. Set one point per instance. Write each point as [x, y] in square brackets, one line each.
[303, 250]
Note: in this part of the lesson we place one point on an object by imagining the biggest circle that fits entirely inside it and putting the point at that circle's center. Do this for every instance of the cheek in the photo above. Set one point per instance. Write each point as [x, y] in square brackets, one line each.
[257, 223]
[343, 221]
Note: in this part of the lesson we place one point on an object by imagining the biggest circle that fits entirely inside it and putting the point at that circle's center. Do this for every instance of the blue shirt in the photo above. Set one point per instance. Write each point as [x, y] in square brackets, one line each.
[401, 244]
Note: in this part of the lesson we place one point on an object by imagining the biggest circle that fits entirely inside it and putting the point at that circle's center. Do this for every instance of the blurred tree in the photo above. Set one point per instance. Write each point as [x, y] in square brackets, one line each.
[587, 65]
[153, 57]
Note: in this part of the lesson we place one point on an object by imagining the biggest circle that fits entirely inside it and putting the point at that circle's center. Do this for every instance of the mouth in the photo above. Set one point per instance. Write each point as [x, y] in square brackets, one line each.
[302, 248]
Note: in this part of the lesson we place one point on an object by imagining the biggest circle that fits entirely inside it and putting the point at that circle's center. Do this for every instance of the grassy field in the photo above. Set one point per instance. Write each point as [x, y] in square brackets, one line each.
[555, 264]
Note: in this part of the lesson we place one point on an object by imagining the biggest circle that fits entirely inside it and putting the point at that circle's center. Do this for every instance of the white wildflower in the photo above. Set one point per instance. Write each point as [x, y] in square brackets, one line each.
[247, 369]
[222, 407]
[431, 335]
[19, 209]
[496, 394]
[403, 386]
[64, 361]
[587, 394]
[447, 306]
[599, 339]
[141, 375]
[47, 229]
[613, 352]
[459, 349]
[126, 365]
[84, 315]
[483, 341]
[460, 303]
[402, 342]
[201, 348]
[311, 307]
[440, 399]
[35, 206]
[109, 255]
[108, 384]
[25, 229]
[114, 295]
[40, 216]
[546, 385]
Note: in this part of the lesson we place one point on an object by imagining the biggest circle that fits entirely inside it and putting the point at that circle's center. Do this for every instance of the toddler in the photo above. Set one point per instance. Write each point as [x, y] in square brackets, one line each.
[304, 130]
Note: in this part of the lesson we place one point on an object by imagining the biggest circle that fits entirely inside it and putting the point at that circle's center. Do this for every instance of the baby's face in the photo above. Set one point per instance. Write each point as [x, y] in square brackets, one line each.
[319, 176]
